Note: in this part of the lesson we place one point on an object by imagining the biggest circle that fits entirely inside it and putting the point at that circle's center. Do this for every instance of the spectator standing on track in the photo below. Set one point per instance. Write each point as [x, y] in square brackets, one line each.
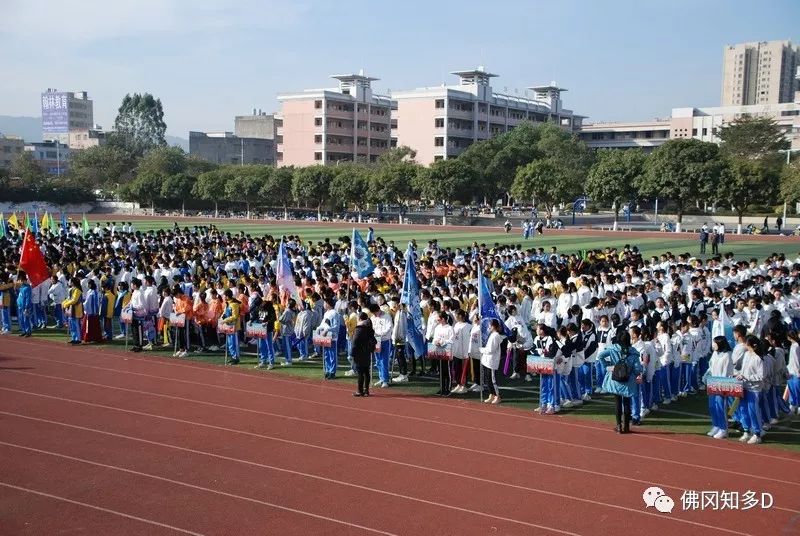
[625, 384]
[363, 345]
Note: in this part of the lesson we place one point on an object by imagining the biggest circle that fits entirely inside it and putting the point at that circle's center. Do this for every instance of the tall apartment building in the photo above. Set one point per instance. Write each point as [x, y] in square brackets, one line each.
[759, 73]
[64, 111]
[324, 126]
[52, 156]
[441, 122]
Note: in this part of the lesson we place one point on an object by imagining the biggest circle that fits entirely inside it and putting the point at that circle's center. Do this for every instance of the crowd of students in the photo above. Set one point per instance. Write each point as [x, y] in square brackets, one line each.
[674, 319]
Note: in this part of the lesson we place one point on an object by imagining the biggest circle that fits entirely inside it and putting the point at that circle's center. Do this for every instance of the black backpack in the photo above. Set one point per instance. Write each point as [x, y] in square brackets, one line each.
[621, 371]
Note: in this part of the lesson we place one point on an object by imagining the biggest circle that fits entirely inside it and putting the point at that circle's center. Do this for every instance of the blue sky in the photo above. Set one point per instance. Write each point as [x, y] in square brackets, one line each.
[620, 59]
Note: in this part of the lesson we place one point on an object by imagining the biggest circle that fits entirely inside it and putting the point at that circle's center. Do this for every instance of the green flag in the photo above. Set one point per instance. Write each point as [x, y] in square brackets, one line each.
[28, 222]
[54, 226]
[85, 226]
[2, 225]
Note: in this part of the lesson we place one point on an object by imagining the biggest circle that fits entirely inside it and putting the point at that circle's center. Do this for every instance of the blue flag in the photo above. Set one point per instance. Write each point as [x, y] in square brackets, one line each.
[283, 274]
[487, 308]
[64, 222]
[360, 258]
[410, 297]
[35, 223]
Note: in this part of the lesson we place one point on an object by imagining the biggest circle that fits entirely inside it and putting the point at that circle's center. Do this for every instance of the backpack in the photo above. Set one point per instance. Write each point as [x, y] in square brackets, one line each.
[621, 371]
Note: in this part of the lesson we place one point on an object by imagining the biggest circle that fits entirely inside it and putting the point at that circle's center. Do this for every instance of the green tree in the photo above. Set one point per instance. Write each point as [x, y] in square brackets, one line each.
[210, 186]
[140, 125]
[790, 182]
[103, 166]
[392, 180]
[310, 185]
[163, 161]
[752, 137]
[144, 189]
[25, 167]
[538, 182]
[277, 188]
[177, 188]
[613, 177]
[745, 182]
[682, 171]
[350, 184]
[244, 183]
[446, 181]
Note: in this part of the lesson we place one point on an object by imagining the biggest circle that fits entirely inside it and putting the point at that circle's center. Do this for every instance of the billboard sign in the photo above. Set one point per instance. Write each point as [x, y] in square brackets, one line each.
[55, 112]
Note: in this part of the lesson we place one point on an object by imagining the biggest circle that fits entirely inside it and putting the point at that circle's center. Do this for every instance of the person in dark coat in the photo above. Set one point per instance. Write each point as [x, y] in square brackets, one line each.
[362, 348]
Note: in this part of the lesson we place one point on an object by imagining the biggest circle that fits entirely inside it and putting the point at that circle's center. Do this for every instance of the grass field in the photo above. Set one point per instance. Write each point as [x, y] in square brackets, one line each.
[689, 415]
[566, 242]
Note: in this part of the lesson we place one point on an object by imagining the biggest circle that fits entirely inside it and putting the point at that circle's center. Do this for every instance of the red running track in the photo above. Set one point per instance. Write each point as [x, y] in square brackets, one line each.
[103, 442]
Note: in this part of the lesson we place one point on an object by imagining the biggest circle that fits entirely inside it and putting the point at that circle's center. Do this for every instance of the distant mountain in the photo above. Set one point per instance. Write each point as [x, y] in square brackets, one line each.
[30, 129]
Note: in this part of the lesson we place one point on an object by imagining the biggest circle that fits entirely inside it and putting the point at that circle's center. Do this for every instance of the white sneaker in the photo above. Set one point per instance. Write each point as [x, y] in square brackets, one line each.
[654, 407]
[765, 426]
[384, 385]
[667, 401]
[792, 410]
[147, 347]
[399, 379]
[722, 434]
[183, 353]
[475, 388]
[528, 378]
[539, 410]
[350, 372]
[713, 431]
[745, 438]
[496, 400]
[773, 421]
[754, 440]
[270, 367]
[586, 397]
[214, 348]
[674, 398]
[645, 412]
[119, 337]
[286, 364]
[460, 389]
[577, 402]
[377, 384]
[567, 403]
[176, 354]
[514, 376]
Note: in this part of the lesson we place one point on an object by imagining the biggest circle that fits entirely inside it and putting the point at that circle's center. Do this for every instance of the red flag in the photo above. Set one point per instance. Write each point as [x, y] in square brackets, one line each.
[32, 261]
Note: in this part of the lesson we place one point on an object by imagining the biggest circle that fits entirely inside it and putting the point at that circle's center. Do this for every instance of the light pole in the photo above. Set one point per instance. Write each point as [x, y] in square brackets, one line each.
[788, 161]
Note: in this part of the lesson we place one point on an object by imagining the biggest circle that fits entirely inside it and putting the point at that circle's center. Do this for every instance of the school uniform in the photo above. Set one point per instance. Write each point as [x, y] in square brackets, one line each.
[73, 305]
[25, 309]
[752, 374]
[793, 369]
[721, 365]
[549, 388]
[382, 325]
[490, 361]
[461, 338]
[287, 322]
[604, 339]
[443, 336]
[57, 294]
[590, 347]
[329, 327]
[666, 357]
[6, 293]
[231, 315]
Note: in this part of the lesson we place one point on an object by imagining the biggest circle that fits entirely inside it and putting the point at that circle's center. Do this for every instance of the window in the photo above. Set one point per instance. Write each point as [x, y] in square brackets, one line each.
[694, 132]
[317, 104]
[438, 157]
[440, 103]
[705, 132]
[318, 156]
[318, 138]
[317, 121]
[438, 141]
[7, 148]
[439, 122]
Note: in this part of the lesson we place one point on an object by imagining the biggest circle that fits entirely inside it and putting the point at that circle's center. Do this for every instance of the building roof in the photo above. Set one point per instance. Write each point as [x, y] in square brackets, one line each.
[349, 77]
[474, 72]
[551, 87]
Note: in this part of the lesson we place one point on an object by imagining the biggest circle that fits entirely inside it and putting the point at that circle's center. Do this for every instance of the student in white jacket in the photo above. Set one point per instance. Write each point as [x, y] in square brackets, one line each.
[721, 365]
[490, 361]
[752, 375]
[443, 339]
[57, 293]
[666, 357]
[474, 352]
[461, 341]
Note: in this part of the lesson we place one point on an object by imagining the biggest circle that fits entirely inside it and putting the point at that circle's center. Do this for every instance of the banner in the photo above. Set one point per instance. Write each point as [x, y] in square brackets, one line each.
[283, 274]
[177, 320]
[415, 333]
[724, 386]
[360, 257]
[442, 352]
[323, 341]
[255, 330]
[539, 365]
[126, 316]
[487, 309]
[225, 329]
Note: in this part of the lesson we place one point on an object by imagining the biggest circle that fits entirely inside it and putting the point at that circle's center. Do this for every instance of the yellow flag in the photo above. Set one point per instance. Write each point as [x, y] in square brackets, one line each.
[45, 221]
[12, 221]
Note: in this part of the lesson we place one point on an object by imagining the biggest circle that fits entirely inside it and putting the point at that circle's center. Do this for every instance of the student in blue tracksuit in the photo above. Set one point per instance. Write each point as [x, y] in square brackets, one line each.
[589, 338]
[549, 392]
[6, 293]
[382, 324]
[24, 305]
[623, 391]
[231, 316]
[330, 326]
[752, 375]
[720, 365]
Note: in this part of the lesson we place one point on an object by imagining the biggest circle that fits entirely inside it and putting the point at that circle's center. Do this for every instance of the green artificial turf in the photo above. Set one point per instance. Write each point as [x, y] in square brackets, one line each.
[566, 242]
